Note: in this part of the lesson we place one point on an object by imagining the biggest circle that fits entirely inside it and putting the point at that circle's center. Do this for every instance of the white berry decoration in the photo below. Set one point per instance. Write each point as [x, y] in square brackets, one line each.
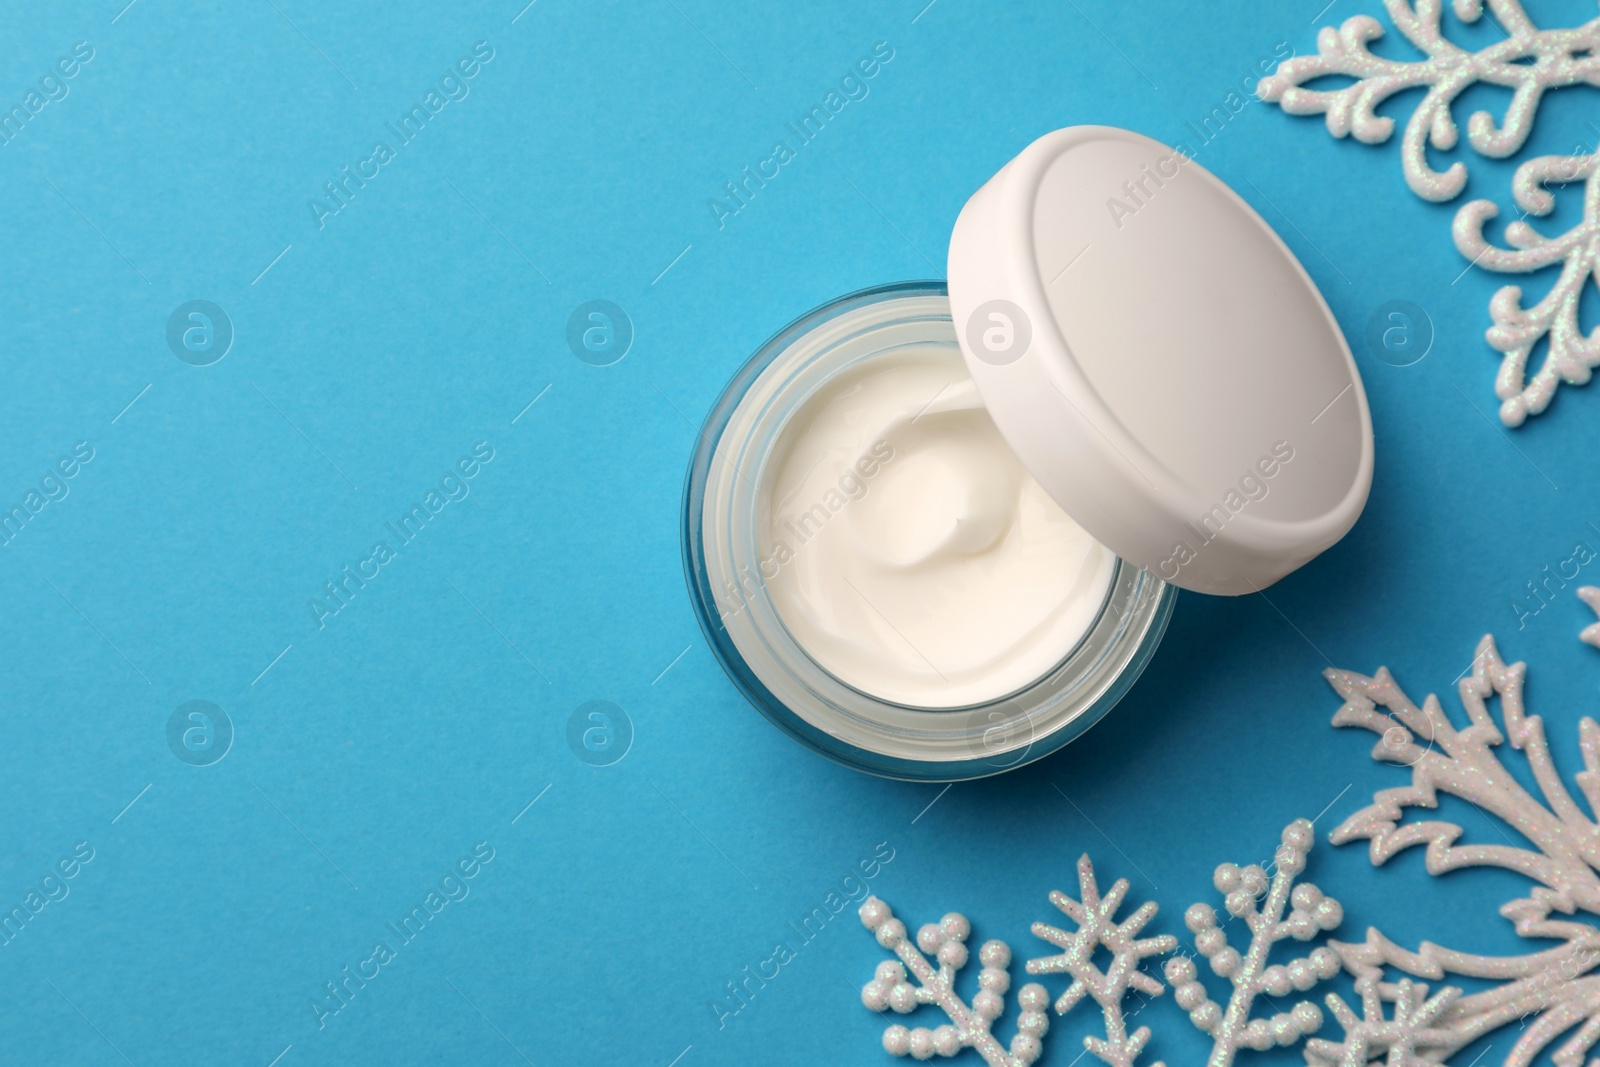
[1309, 913]
[911, 982]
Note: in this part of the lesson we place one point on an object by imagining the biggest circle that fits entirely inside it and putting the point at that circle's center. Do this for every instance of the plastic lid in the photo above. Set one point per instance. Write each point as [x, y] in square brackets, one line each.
[1160, 361]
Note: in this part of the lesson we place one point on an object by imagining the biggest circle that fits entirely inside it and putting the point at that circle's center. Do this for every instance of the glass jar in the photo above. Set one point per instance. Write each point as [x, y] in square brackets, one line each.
[722, 562]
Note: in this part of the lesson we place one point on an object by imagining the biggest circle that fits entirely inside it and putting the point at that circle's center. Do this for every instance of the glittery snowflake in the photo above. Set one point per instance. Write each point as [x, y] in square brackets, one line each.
[1098, 928]
[969, 1026]
[1407, 1038]
[1529, 61]
[1260, 900]
[1547, 991]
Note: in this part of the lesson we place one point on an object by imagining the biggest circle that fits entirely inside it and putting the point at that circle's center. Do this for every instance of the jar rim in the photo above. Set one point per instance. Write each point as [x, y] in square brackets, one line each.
[842, 723]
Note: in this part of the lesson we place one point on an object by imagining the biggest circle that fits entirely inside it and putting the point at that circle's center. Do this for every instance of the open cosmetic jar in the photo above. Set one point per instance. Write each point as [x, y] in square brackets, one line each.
[936, 532]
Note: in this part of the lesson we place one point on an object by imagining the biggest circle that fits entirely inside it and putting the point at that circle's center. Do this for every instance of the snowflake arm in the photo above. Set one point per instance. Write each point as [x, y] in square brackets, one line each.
[1549, 992]
[1571, 354]
[1590, 635]
[1408, 1038]
[969, 1026]
[1097, 927]
[1249, 973]
[1462, 763]
[1531, 985]
[1529, 62]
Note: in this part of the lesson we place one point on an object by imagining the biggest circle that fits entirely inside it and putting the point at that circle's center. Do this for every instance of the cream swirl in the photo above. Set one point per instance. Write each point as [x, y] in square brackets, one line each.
[917, 559]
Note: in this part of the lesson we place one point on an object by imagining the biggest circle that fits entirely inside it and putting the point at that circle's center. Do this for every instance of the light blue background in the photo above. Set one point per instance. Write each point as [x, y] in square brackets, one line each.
[426, 715]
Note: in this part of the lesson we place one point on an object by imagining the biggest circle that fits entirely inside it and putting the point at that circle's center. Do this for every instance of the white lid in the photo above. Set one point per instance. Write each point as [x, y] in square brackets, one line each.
[1160, 361]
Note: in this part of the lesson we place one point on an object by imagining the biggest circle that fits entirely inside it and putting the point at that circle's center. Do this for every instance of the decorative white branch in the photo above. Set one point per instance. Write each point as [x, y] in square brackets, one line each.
[969, 1025]
[1249, 973]
[1529, 61]
[1550, 994]
[1097, 927]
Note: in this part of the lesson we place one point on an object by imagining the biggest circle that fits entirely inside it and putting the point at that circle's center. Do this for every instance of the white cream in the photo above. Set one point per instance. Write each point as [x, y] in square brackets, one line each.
[916, 559]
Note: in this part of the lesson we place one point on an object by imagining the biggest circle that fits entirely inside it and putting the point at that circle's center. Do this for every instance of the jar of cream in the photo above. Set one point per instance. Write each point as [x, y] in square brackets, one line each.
[936, 533]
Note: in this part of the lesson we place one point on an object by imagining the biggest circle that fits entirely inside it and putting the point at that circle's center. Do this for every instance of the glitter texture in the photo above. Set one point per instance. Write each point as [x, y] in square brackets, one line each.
[946, 942]
[1590, 635]
[1529, 61]
[1407, 1039]
[1559, 58]
[1570, 355]
[1546, 1000]
[970, 1026]
[1097, 927]
[1249, 973]
[1544, 993]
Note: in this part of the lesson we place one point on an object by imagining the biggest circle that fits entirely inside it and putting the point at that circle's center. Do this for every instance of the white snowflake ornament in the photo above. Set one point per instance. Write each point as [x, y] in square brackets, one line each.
[1250, 895]
[1407, 1039]
[969, 1027]
[1570, 354]
[1553, 990]
[1098, 928]
[1530, 62]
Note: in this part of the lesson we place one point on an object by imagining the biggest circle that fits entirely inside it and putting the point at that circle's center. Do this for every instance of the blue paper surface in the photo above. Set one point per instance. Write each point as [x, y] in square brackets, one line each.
[381, 350]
